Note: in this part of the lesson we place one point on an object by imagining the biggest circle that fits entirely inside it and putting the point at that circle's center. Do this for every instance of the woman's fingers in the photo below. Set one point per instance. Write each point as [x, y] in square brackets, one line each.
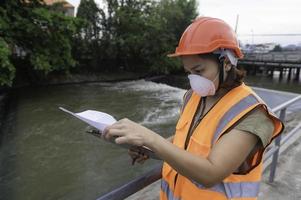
[137, 157]
[142, 159]
[112, 132]
[134, 149]
[139, 160]
[133, 154]
[121, 140]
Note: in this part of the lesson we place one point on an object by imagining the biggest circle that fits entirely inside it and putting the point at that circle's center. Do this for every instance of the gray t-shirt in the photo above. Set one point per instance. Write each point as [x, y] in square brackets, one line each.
[257, 122]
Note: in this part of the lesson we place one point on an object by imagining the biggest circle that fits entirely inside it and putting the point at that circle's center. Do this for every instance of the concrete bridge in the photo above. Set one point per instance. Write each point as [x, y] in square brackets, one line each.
[267, 63]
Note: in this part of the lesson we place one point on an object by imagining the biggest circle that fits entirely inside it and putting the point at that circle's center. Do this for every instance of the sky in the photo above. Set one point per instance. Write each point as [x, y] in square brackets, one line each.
[255, 18]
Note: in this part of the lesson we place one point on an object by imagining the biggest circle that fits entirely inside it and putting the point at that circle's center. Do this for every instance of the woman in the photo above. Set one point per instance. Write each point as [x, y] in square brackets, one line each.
[223, 129]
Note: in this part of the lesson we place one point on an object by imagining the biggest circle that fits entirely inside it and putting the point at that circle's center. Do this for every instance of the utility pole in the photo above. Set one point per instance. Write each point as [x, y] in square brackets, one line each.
[236, 25]
[252, 36]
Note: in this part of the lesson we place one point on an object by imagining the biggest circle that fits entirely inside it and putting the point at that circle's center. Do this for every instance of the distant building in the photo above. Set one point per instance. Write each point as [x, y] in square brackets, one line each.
[68, 9]
[259, 48]
[270, 46]
[291, 47]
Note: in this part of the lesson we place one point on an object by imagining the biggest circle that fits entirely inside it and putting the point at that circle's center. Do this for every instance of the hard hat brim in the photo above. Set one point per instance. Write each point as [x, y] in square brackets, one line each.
[182, 54]
[171, 55]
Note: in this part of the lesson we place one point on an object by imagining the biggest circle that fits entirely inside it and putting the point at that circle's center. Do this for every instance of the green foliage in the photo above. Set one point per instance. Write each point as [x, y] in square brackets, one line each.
[7, 70]
[86, 43]
[90, 13]
[138, 35]
[277, 48]
[44, 35]
[37, 39]
[172, 17]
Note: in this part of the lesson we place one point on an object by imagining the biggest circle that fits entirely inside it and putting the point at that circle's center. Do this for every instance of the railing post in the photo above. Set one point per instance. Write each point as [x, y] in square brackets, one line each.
[276, 154]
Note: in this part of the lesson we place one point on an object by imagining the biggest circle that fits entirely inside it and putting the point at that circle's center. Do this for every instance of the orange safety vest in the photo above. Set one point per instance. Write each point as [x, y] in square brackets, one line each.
[221, 118]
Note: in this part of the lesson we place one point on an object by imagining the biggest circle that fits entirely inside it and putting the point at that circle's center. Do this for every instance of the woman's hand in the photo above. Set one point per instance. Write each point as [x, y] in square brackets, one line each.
[137, 156]
[128, 132]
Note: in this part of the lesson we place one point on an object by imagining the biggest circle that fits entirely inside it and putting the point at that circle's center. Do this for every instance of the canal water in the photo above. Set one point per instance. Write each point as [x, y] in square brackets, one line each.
[46, 154]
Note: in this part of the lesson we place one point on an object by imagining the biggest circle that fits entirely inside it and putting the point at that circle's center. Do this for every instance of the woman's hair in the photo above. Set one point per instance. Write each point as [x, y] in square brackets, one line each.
[235, 76]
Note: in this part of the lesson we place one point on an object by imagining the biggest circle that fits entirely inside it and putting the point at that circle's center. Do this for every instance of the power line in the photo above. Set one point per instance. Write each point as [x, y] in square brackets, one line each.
[271, 34]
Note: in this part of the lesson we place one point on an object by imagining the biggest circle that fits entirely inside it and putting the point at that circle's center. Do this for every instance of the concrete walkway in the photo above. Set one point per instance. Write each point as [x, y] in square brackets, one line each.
[287, 184]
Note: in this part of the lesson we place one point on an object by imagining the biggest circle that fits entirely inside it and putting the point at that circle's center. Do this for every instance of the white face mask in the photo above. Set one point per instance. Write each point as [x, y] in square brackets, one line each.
[201, 85]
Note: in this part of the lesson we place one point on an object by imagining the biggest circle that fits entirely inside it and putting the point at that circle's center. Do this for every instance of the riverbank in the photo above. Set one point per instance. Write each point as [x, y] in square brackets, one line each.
[175, 80]
[81, 78]
[75, 79]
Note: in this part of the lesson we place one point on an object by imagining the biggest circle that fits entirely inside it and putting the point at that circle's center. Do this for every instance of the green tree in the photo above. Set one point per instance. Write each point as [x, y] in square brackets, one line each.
[169, 21]
[89, 11]
[7, 70]
[137, 35]
[87, 42]
[277, 48]
[43, 35]
[126, 34]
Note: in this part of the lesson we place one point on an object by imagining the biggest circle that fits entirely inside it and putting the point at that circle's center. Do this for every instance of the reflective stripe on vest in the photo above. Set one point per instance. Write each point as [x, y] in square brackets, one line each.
[232, 113]
[230, 190]
[234, 190]
[165, 188]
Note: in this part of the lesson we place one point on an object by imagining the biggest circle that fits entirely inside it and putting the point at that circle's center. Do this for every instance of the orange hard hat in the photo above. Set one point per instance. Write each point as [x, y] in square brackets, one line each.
[205, 35]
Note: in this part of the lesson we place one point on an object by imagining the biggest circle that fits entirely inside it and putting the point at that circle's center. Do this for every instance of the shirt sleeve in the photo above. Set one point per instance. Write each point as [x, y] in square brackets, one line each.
[258, 123]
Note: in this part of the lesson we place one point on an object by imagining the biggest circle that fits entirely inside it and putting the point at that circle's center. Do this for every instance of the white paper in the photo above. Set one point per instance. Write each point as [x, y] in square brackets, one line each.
[99, 120]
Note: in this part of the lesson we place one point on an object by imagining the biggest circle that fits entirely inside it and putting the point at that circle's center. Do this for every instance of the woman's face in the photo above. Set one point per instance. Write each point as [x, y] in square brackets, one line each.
[207, 68]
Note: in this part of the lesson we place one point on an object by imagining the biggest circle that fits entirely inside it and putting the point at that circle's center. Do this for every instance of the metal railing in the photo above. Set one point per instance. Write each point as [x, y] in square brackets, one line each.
[274, 151]
[150, 177]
